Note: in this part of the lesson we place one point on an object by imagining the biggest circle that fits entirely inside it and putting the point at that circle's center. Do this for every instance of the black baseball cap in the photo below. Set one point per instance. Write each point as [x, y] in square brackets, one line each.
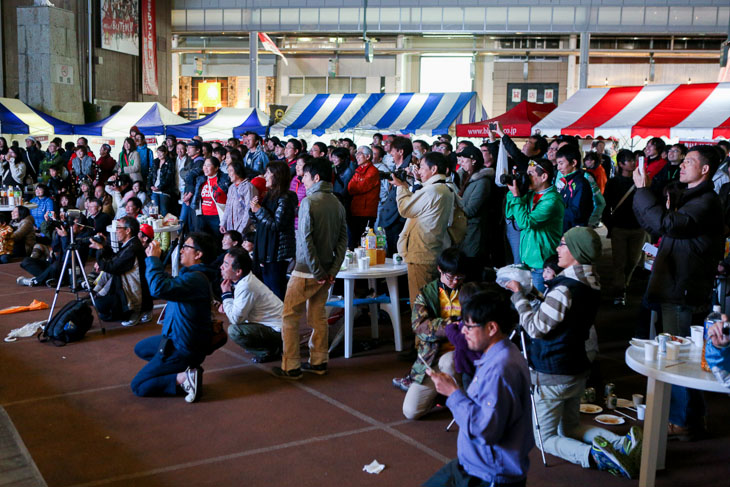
[471, 152]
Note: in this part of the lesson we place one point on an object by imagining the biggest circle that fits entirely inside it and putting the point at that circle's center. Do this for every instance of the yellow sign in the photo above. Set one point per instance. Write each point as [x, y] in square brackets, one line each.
[209, 93]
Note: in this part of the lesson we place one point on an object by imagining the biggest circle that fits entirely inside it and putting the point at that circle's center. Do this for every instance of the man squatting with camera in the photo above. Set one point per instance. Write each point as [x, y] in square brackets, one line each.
[558, 330]
[122, 292]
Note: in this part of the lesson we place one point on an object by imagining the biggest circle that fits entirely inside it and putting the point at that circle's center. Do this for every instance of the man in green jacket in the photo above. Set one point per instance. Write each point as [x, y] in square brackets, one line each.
[539, 214]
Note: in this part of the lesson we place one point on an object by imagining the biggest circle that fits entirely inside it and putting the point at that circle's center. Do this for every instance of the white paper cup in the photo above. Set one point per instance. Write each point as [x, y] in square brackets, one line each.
[363, 263]
[638, 400]
[397, 259]
[672, 351]
[697, 334]
[650, 350]
[640, 412]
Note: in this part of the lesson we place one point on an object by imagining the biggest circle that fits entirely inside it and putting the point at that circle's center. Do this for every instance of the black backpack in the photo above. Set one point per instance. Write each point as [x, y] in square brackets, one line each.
[70, 324]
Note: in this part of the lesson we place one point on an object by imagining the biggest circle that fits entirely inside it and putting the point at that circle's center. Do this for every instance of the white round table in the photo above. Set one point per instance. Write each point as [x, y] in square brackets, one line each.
[661, 374]
[390, 273]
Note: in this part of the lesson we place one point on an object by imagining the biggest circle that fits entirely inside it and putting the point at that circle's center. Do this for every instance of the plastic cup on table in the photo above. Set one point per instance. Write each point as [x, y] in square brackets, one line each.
[672, 351]
[638, 400]
[641, 412]
[697, 333]
[650, 351]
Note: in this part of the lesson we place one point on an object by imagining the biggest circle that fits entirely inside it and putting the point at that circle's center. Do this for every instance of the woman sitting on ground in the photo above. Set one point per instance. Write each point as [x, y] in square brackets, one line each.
[23, 231]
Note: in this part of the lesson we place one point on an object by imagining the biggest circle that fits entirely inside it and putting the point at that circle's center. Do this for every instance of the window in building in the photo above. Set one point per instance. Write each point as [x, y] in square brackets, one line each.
[337, 85]
[315, 84]
[296, 86]
[432, 70]
[358, 85]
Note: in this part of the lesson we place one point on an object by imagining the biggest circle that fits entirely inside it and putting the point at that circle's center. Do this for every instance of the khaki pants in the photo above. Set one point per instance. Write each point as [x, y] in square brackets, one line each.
[421, 398]
[418, 276]
[301, 292]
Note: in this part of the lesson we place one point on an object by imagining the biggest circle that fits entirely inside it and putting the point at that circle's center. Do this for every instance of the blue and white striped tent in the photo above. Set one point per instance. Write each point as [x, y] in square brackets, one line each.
[320, 114]
[18, 118]
[151, 118]
[223, 124]
[404, 113]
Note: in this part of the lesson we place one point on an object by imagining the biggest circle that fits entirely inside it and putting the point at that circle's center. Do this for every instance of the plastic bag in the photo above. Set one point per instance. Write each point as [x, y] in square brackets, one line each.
[718, 359]
[514, 272]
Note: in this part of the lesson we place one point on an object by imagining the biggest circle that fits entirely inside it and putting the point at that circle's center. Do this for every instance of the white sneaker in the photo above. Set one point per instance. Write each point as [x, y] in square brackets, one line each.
[146, 317]
[133, 320]
[193, 384]
[26, 281]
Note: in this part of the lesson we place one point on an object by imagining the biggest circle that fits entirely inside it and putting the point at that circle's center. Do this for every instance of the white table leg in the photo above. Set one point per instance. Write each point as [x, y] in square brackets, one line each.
[395, 306]
[654, 446]
[349, 315]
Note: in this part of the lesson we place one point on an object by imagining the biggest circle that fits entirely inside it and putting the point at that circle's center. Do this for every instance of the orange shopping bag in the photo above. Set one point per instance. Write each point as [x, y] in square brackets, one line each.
[34, 306]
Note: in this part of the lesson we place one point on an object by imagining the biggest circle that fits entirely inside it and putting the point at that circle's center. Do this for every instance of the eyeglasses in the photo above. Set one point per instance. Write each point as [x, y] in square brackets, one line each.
[471, 327]
[451, 277]
[120, 227]
[193, 247]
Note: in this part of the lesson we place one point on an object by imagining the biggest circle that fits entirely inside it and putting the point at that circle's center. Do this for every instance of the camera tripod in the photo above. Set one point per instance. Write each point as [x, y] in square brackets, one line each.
[72, 257]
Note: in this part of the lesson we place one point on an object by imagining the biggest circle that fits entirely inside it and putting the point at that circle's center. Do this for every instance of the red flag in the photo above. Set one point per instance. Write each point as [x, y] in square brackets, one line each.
[271, 47]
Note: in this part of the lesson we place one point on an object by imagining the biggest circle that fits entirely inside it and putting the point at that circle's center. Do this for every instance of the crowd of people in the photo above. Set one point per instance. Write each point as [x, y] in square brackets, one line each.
[266, 225]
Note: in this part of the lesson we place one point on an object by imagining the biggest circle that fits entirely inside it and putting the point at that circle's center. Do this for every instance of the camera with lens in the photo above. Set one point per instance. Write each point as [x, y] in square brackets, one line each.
[521, 179]
[399, 173]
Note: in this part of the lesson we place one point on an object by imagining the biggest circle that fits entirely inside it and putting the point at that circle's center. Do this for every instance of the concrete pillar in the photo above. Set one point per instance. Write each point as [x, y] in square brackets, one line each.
[572, 85]
[585, 44]
[400, 75]
[484, 82]
[48, 66]
[253, 59]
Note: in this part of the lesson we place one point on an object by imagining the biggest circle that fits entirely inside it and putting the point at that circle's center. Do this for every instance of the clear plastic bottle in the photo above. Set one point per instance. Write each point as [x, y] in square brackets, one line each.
[372, 240]
[11, 196]
[364, 238]
[711, 319]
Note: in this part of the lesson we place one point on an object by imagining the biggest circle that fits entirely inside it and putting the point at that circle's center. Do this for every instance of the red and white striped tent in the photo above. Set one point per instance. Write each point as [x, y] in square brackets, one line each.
[690, 111]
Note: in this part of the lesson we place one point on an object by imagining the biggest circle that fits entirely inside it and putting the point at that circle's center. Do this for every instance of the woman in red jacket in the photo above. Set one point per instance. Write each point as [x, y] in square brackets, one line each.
[364, 188]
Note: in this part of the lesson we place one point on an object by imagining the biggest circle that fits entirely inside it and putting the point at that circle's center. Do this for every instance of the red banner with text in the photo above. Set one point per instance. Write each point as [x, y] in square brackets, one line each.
[149, 48]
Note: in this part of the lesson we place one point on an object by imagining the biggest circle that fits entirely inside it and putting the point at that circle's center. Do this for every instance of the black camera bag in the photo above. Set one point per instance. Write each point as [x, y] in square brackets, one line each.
[70, 324]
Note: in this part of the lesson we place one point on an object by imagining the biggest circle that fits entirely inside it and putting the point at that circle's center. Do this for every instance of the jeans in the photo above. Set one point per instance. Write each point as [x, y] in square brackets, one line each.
[210, 224]
[162, 201]
[537, 281]
[687, 406]
[513, 237]
[304, 294]
[187, 217]
[257, 339]
[392, 233]
[421, 398]
[159, 376]
[558, 414]
[274, 276]
[453, 475]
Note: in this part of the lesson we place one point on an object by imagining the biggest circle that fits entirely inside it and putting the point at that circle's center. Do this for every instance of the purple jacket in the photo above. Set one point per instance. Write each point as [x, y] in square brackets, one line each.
[463, 357]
